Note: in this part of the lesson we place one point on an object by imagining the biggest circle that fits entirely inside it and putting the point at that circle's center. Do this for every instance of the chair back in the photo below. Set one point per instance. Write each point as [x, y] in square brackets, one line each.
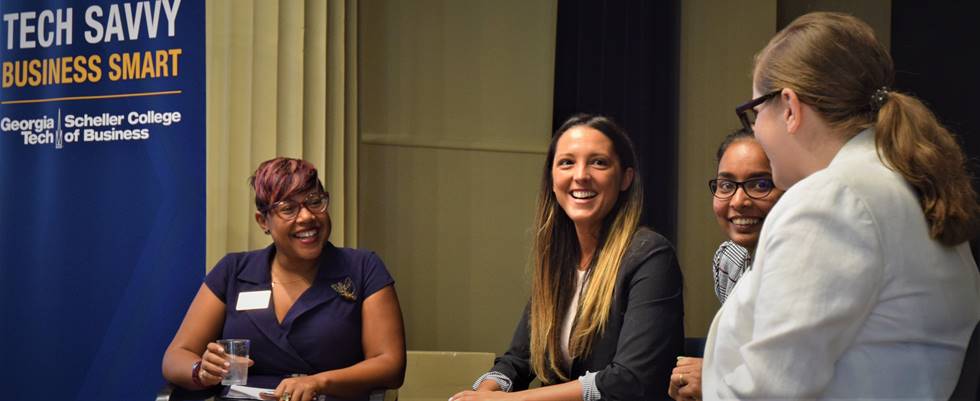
[435, 375]
[968, 387]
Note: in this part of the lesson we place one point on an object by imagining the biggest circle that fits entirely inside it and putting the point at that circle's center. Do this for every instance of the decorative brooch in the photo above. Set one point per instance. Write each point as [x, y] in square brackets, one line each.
[345, 288]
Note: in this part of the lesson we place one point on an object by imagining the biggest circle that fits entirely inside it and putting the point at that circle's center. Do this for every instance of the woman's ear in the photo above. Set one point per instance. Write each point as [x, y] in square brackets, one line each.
[627, 179]
[793, 110]
[263, 223]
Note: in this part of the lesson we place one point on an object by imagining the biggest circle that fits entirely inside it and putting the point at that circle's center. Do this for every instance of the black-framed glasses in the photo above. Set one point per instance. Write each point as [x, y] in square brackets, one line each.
[288, 209]
[746, 112]
[755, 188]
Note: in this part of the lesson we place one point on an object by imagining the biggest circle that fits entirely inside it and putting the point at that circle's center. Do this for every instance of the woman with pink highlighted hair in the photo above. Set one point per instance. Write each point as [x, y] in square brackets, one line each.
[323, 322]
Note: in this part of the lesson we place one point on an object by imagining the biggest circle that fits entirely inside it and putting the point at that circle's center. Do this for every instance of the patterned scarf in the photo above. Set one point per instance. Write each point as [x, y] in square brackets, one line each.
[730, 262]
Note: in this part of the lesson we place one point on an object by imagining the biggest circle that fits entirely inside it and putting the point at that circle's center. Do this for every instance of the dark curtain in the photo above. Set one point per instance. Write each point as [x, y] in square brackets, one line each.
[934, 61]
[620, 59]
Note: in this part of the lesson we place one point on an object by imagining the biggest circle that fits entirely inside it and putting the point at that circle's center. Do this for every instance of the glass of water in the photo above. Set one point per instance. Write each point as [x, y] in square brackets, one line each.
[236, 350]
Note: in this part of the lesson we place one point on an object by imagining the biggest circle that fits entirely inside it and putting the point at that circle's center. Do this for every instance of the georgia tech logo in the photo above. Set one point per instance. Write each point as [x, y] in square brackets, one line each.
[74, 128]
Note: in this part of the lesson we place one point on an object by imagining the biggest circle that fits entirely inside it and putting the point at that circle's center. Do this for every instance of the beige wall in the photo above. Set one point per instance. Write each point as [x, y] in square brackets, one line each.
[455, 114]
[718, 41]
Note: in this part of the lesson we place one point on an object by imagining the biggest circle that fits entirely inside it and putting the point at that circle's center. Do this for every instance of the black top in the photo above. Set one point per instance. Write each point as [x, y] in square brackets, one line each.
[643, 336]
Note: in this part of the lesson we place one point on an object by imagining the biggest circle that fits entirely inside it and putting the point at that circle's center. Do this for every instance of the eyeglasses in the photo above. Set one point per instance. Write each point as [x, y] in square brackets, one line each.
[746, 112]
[288, 209]
[756, 188]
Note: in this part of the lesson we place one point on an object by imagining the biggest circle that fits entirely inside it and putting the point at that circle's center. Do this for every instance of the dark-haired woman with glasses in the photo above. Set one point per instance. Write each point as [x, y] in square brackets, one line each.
[323, 322]
[742, 164]
[743, 194]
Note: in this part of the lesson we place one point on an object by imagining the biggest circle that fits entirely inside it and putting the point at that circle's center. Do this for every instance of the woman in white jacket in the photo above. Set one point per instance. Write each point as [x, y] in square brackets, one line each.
[863, 286]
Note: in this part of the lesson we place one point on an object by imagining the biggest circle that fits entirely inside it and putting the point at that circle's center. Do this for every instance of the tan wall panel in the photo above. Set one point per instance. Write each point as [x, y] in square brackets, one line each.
[455, 114]
[453, 228]
[718, 42]
[456, 73]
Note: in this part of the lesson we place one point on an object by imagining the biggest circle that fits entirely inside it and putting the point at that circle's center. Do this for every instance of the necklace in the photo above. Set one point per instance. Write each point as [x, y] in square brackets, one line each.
[274, 282]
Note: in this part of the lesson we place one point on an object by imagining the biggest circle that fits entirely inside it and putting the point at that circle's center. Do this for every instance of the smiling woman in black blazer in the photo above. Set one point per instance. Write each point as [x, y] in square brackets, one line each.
[605, 318]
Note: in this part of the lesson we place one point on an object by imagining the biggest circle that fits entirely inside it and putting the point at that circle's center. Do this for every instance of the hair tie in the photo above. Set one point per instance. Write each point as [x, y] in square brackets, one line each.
[878, 98]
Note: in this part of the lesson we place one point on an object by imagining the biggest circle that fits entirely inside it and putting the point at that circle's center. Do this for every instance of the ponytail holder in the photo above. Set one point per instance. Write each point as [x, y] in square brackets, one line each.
[879, 98]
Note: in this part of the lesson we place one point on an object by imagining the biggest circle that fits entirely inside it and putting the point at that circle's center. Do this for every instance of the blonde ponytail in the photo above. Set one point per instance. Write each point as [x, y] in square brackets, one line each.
[911, 140]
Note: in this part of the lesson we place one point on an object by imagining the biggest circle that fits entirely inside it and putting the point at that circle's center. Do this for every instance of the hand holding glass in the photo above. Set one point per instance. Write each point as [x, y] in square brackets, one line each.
[236, 352]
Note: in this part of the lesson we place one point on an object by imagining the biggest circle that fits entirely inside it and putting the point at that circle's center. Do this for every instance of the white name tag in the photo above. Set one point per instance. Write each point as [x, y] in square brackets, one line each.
[253, 300]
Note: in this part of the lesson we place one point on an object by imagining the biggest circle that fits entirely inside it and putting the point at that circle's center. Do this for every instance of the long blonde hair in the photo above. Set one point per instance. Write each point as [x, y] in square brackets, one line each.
[556, 253]
[836, 65]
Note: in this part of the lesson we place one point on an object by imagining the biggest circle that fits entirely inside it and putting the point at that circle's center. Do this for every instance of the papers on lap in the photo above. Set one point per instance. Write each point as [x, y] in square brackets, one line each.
[252, 393]
[247, 393]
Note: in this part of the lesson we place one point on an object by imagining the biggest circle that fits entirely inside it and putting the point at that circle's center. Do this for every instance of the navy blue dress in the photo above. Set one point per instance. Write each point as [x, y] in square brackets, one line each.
[322, 330]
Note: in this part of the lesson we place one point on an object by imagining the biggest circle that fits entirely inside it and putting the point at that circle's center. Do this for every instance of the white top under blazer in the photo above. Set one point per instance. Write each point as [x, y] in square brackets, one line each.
[848, 297]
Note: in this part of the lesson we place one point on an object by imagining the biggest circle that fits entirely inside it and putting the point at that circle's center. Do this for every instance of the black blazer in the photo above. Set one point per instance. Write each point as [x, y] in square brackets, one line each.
[643, 336]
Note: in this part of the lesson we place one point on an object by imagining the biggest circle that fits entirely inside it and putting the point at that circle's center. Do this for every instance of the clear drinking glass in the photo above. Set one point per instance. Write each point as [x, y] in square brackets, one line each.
[237, 352]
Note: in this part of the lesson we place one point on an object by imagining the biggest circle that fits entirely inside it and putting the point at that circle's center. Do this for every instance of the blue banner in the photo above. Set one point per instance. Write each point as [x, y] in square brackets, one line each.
[102, 209]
